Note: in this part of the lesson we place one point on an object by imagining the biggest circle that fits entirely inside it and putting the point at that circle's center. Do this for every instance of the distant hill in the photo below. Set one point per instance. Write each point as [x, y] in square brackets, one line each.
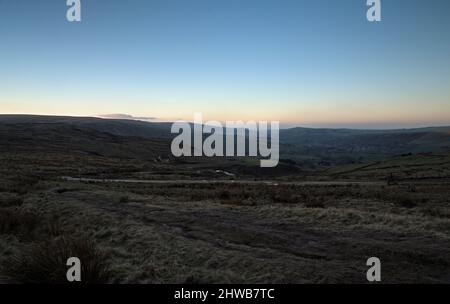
[300, 145]
[81, 136]
[347, 145]
[134, 128]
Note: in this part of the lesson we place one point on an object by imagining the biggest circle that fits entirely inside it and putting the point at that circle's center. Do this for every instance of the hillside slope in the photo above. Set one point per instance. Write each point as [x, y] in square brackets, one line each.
[310, 147]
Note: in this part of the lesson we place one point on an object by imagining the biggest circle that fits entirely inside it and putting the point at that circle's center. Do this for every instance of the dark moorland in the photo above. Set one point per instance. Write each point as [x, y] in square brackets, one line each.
[109, 192]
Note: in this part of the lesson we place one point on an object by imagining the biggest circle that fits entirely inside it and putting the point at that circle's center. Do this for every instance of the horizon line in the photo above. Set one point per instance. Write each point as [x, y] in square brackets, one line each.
[284, 126]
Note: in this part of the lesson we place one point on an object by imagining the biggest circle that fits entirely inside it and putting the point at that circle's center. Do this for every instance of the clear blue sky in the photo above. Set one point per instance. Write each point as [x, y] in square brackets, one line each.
[314, 63]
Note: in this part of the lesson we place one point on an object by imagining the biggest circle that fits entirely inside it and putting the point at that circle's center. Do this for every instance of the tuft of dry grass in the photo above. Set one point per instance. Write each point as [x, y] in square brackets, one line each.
[124, 199]
[10, 200]
[46, 263]
[23, 183]
[18, 222]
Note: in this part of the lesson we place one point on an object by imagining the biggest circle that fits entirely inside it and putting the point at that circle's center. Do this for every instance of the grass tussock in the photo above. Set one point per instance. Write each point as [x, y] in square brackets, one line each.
[10, 200]
[24, 183]
[18, 222]
[46, 263]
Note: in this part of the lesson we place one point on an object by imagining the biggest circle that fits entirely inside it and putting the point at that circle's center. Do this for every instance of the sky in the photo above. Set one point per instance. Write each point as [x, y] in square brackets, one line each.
[316, 63]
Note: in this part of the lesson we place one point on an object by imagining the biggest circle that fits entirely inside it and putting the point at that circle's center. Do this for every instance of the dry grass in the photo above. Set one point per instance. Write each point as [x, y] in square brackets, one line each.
[18, 222]
[222, 233]
[10, 200]
[46, 263]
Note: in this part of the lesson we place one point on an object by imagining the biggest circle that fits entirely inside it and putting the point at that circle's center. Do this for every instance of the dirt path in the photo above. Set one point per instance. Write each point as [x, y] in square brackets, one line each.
[166, 239]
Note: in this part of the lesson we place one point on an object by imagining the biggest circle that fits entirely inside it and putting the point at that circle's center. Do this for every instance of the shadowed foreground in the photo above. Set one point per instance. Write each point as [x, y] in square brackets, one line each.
[210, 234]
[133, 214]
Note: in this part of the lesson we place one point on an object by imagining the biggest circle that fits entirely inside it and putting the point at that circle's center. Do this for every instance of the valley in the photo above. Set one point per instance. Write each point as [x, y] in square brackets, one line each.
[139, 215]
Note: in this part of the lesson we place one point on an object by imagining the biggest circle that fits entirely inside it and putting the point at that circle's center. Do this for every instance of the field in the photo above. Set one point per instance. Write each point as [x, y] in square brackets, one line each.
[136, 217]
[237, 232]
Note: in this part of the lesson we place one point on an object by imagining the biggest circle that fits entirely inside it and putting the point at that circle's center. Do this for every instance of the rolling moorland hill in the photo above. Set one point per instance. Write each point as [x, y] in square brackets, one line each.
[302, 145]
[143, 217]
[69, 137]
